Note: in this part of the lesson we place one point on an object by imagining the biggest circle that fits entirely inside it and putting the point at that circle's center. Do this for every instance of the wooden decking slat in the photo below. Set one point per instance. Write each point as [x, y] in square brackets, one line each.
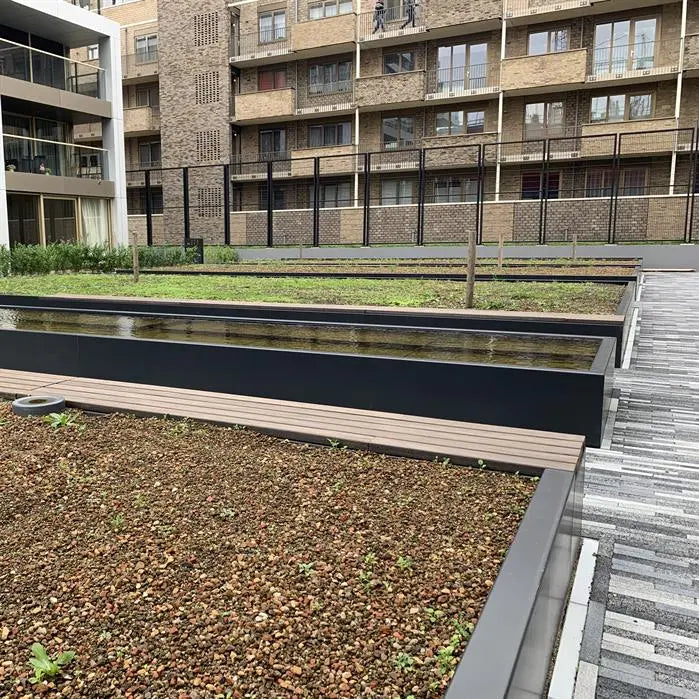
[406, 435]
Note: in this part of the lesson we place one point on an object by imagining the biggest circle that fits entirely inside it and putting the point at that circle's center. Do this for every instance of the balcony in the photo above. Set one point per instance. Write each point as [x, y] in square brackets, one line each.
[324, 98]
[50, 70]
[631, 63]
[264, 46]
[246, 167]
[141, 121]
[405, 89]
[269, 105]
[391, 26]
[454, 15]
[691, 55]
[324, 36]
[139, 67]
[396, 155]
[335, 160]
[31, 156]
[136, 173]
[640, 137]
[542, 9]
[461, 83]
[529, 74]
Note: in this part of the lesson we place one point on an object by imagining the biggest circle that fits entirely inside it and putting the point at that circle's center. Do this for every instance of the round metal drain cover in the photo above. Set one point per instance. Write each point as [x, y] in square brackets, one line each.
[38, 405]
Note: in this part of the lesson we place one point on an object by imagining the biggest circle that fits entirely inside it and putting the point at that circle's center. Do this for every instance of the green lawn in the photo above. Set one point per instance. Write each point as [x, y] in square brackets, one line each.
[514, 296]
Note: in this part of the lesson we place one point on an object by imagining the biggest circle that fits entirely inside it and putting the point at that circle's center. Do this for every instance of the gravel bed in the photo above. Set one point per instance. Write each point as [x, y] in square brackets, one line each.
[186, 560]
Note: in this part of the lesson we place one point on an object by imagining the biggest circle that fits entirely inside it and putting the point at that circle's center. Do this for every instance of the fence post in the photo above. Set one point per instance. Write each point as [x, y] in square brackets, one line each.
[367, 199]
[543, 187]
[689, 210]
[421, 199]
[480, 187]
[270, 204]
[185, 202]
[149, 210]
[226, 204]
[316, 202]
[610, 235]
[615, 187]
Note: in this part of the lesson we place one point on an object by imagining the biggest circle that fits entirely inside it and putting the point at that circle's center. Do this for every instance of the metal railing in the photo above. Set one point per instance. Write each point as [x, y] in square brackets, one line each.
[134, 165]
[98, 5]
[519, 8]
[140, 63]
[43, 68]
[406, 18]
[250, 45]
[644, 57]
[461, 80]
[43, 157]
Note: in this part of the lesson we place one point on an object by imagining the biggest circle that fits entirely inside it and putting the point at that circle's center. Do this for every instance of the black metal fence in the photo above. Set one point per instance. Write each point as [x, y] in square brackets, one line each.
[637, 186]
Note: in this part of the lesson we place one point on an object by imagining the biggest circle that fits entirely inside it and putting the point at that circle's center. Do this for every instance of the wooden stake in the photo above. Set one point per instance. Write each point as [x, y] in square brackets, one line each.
[471, 268]
[575, 246]
[501, 249]
[134, 257]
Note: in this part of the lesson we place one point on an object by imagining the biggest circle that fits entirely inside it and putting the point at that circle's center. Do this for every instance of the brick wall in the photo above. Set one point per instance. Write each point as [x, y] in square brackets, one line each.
[449, 223]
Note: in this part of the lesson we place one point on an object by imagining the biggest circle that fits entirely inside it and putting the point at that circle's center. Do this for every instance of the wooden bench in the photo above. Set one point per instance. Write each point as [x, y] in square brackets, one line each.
[529, 451]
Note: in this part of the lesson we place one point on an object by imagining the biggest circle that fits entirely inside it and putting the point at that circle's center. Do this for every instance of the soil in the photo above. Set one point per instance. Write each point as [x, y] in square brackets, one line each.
[354, 268]
[192, 561]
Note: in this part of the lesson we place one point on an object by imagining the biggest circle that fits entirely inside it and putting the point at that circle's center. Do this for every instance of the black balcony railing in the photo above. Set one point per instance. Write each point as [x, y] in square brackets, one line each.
[641, 56]
[461, 79]
[405, 18]
[272, 42]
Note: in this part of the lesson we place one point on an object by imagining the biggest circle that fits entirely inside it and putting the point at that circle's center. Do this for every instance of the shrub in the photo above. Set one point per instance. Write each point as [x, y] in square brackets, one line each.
[220, 255]
[164, 256]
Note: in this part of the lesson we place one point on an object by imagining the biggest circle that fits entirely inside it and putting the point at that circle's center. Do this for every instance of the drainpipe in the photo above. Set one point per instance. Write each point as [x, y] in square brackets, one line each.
[357, 74]
[501, 103]
[678, 94]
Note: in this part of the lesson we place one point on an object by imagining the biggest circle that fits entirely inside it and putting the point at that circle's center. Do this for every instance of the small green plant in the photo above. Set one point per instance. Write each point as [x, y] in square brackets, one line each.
[370, 560]
[117, 522]
[482, 464]
[227, 513]
[445, 656]
[337, 486]
[464, 629]
[405, 562]
[3, 420]
[404, 662]
[44, 666]
[58, 420]
[334, 443]
[306, 568]
[140, 500]
[433, 614]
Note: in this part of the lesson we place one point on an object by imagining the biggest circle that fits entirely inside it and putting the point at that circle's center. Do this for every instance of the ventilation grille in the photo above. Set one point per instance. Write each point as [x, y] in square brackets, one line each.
[208, 146]
[210, 202]
[207, 89]
[206, 29]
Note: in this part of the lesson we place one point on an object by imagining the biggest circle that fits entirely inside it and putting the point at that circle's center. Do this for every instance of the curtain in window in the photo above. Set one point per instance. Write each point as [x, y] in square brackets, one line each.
[95, 221]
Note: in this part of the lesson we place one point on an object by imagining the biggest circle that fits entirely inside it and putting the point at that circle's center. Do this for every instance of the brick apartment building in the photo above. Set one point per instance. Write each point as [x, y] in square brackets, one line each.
[569, 101]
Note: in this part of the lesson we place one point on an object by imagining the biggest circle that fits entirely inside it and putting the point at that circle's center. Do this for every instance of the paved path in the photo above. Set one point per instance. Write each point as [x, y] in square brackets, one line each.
[641, 635]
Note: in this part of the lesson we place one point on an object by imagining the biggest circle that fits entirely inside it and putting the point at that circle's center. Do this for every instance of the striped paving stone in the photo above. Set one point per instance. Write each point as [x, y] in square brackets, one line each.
[641, 635]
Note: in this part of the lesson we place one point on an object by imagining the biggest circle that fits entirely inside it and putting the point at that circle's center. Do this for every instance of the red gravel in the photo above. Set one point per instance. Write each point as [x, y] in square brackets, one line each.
[191, 561]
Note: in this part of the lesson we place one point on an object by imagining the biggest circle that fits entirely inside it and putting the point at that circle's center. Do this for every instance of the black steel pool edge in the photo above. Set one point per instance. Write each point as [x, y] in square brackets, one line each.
[328, 314]
[509, 655]
[557, 400]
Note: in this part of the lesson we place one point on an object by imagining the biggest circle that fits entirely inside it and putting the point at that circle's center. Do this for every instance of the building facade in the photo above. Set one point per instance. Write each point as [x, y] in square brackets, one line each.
[51, 189]
[411, 115]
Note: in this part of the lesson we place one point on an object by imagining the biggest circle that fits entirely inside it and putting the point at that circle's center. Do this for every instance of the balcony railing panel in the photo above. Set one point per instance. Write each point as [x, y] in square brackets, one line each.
[642, 58]
[43, 68]
[42, 157]
[141, 63]
[521, 8]
[262, 43]
[327, 96]
[402, 20]
[463, 80]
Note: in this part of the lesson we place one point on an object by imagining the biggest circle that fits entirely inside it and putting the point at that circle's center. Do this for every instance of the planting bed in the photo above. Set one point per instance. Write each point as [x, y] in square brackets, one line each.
[184, 560]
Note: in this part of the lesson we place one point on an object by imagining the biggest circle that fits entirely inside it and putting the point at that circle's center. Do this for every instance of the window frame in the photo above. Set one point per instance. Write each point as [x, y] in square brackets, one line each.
[631, 44]
[463, 195]
[276, 33]
[400, 142]
[627, 107]
[546, 125]
[93, 52]
[273, 131]
[548, 179]
[323, 4]
[150, 50]
[340, 85]
[398, 196]
[337, 201]
[465, 116]
[276, 72]
[548, 33]
[339, 127]
[401, 56]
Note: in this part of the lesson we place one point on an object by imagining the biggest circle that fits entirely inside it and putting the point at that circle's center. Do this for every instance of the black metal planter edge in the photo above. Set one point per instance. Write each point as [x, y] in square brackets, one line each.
[510, 651]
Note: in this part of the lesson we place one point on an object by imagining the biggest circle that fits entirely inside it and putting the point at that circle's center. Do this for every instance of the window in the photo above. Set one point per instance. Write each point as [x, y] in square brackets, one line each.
[278, 196]
[398, 62]
[398, 132]
[332, 195]
[552, 41]
[136, 200]
[272, 26]
[396, 191]
[271, 79]
[326, 78]
[93, 52]
[272, 144]
[532, 180]
[147, 96]
[147, 48]
[462, 67]
[330, 134]
[458, 122]
[621, 107]
[633, 182]
[455, 189]
[624, 45]
[329, 8]
[599, 183]
[149, 154]
[543, 119]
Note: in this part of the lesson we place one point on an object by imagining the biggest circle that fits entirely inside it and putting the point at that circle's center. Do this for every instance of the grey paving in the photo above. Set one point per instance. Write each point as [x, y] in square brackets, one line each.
[641, 635]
